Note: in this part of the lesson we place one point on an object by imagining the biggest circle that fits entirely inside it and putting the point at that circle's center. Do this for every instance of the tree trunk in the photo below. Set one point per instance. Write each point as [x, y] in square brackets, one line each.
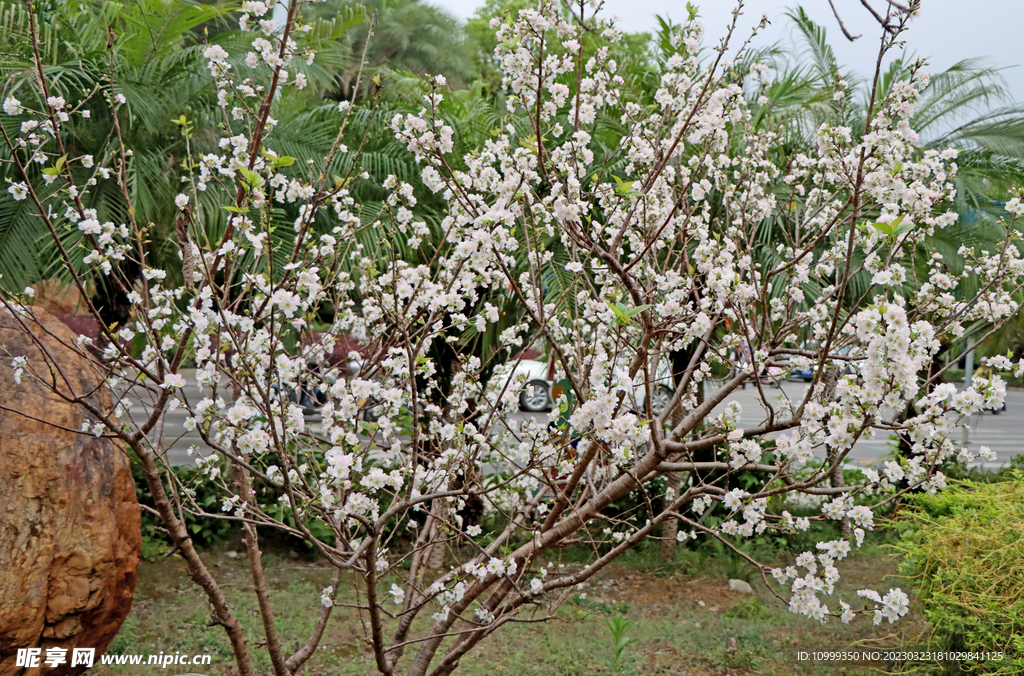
[435, 558]
[671, 527]
[675, 483]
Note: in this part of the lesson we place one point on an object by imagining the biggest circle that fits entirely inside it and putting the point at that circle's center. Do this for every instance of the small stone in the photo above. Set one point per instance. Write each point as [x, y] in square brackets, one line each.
[701, 604]
[740, 586]
[231, 554]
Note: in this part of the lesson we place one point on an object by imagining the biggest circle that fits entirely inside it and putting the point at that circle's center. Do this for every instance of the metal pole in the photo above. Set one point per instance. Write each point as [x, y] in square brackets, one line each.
[968, 377]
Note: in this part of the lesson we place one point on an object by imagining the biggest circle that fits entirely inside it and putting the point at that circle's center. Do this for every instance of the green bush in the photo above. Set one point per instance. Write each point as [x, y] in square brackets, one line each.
[209, 532]
[749, 608]
[960, 471]
[965, 549]
[204, 532]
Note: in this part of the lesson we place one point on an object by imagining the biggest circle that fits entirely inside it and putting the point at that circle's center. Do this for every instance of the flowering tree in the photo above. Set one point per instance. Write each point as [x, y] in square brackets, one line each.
[663, 241]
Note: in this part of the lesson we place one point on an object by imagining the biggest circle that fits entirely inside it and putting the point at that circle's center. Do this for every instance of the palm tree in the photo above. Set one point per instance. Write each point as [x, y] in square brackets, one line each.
[155, 61]
[967, 107]
[406, 35]
[156, 66]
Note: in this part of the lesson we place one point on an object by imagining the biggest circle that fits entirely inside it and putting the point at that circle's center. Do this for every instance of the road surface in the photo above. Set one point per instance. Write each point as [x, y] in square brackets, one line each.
[1003, 433]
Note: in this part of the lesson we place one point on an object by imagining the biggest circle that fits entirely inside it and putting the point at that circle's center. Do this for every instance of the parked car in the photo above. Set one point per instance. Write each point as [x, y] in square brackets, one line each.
[535, 396]
[536, 393]
[806, 375]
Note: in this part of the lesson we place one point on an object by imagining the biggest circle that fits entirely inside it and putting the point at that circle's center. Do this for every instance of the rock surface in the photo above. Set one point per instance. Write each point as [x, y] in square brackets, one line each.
[60, 297]
[740, 586]
[69, 521]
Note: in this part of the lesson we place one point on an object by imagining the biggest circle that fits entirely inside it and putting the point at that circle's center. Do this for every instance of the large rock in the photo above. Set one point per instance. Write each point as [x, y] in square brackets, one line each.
[69, 521]
[56, 296]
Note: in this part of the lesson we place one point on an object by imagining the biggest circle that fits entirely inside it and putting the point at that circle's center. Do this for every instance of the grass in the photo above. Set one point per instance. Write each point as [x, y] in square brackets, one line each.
[679, 619]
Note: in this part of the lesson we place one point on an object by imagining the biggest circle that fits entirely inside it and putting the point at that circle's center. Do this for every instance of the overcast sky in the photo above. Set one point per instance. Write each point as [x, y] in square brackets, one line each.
[946, 31]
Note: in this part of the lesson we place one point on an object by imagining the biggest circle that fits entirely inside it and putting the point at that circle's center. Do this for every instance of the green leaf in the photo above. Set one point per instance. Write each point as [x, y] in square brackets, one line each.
[275, 160]
[637, 310]
[236, 210]
[625, 187]
[619, 310]
[623, 314]
[891, 229]
[55, 169]
[903, 227]
[252, 179]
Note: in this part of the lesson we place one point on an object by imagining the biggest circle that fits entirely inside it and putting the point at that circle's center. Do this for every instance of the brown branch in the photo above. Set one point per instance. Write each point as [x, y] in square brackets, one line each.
[842, 26]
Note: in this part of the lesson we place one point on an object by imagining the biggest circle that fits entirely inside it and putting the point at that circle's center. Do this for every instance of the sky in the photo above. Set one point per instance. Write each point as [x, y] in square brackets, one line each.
[945, 31]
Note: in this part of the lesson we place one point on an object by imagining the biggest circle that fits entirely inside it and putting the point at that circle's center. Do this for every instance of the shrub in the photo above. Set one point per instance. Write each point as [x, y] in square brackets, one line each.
[965, 548]
[206, 498]
[203, 531]
[963, 472]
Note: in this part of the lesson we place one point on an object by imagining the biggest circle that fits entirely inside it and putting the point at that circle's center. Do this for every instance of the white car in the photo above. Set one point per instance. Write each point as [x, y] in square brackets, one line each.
[536, 393]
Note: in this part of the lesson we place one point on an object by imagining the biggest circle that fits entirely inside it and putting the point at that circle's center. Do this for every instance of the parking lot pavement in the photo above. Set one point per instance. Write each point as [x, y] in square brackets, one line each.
[1003, 433]
[175, 437]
